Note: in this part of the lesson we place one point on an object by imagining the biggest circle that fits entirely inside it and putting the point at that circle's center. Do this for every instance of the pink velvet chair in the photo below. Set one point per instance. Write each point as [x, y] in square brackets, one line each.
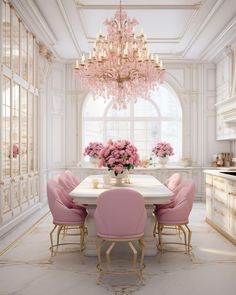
[120, 216]
[172, 183]
[64, 216]
[179, 214]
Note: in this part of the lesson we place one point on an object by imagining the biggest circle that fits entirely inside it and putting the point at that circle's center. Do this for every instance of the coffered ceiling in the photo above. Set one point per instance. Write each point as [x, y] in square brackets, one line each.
[175, 29]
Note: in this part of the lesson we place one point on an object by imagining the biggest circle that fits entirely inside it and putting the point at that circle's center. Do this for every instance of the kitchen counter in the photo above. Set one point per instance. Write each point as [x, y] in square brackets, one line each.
[220, 174]
[221, 201]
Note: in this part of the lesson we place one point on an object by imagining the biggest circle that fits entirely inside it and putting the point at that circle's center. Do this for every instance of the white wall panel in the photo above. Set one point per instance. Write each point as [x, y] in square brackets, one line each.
[56, 114]
[211, 79]
[195, 84]
[179, 74]
[57, 140]
[58, 78]
[72, 130]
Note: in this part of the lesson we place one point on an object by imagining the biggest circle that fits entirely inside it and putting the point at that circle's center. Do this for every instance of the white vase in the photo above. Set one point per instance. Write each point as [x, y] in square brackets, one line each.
[163, 160]
[94, 161]
[120, 177]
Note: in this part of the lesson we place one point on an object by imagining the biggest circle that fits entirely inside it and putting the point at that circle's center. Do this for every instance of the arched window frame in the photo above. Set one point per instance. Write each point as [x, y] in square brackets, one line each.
[131, 119]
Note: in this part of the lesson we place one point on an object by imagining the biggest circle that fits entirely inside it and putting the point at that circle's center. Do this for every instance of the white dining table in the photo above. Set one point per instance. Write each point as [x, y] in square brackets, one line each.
[153, 191]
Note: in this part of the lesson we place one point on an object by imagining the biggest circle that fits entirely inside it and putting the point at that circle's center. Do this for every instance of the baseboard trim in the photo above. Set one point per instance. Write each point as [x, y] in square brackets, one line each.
[4, 250]
[221, 231]
[12, 223]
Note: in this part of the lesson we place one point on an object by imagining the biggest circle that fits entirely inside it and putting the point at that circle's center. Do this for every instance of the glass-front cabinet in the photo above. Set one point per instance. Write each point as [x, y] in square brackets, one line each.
[19, 116]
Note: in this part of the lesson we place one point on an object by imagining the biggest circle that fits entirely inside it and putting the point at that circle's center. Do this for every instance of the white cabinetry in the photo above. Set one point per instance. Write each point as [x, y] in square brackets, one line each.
[221, 205]
[226, 119]
[232, 207]
[19, 97]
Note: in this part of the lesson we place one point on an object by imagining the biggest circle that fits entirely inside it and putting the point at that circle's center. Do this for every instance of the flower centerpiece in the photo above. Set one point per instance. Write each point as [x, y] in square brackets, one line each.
[163, 150]
[93, 150]
[119, 156]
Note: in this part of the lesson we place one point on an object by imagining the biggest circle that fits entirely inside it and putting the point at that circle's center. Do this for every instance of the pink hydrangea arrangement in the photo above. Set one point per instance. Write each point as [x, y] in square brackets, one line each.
[93, 149]
[118, 156]
[163, 149]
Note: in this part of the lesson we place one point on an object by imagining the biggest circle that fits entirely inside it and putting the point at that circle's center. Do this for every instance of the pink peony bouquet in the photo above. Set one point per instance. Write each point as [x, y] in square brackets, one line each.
[93, 149]
[119, 156]
[163, 149]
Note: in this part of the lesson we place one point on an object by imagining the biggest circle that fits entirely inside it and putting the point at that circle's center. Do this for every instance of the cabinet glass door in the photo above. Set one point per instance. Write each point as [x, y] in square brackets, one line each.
[6, 127]
[24, 129]
[6, 35]
[15, 130]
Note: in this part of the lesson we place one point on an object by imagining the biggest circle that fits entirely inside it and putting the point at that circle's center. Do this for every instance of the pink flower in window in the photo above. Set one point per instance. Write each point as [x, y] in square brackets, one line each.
[163, 149]
[93, 149]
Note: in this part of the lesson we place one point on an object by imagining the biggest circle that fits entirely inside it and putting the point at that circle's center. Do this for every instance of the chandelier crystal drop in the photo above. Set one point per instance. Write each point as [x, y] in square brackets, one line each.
[120, 67]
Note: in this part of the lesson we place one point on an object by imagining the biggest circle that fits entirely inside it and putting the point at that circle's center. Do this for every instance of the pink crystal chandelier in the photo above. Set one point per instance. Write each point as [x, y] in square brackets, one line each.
[120, 67]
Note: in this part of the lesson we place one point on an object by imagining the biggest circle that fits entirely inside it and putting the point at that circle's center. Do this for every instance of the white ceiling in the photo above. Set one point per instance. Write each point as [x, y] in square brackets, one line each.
[189, 29]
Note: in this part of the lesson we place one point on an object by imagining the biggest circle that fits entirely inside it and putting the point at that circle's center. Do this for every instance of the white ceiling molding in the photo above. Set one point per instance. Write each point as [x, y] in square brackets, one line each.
[136, 6]
[35, 23]
[181, 30]
[203, 25]
[156, 40]
[69, 27]
[227, 36]
[34, 20]
[194, 7]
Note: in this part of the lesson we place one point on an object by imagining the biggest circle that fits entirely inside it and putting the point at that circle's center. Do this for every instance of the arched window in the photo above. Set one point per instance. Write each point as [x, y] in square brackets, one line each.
[144, 123]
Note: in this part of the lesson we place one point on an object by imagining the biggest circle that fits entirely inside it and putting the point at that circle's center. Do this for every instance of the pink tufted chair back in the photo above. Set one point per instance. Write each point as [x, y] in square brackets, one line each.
[173, 181]
[120, 214]
[70, 176]
[66, 183]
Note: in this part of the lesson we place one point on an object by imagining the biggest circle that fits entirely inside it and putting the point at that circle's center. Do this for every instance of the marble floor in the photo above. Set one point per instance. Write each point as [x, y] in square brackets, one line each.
[26, 267]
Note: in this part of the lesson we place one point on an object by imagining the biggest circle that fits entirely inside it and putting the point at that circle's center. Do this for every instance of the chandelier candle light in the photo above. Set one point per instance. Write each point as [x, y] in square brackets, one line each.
[120, 67]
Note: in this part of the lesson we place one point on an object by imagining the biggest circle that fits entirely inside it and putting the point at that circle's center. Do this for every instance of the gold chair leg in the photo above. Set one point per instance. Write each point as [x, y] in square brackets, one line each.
[185, 238]
[98, 250]
[189, 238]
[108, 255]
[51, 239]
[178, 229]
[58, 235]
[141, 243]
[134, 256]
[64, 232]
[81, 238]
[155, 228]
[160, 228]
